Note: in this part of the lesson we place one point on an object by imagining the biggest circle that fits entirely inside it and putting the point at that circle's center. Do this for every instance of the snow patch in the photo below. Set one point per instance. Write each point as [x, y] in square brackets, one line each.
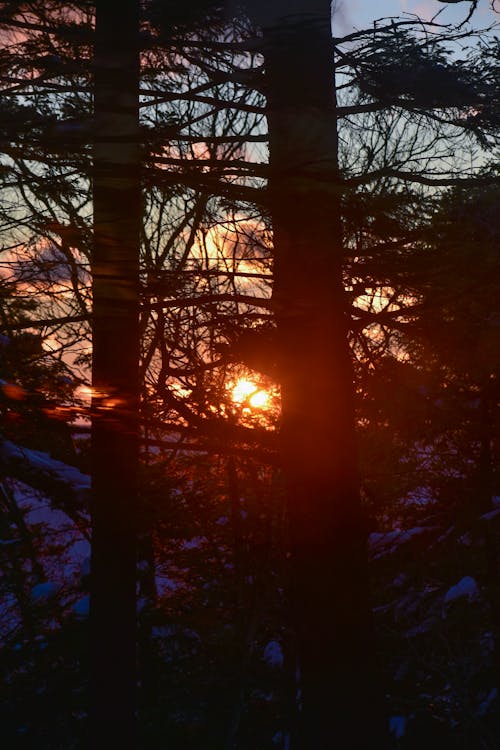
[194, 543]
[485, 705]
[466, 587]
[282, 739]
[44, 591]
[273, 655]
[397, 726]
[85, 568]
[78, 482]
[389, 542]
[81, 608]
[166, 585]
[491, 515]
[62, 544]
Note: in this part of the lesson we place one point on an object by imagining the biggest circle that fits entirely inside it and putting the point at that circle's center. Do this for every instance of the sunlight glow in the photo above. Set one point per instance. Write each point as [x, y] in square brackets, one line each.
[84, 392]
[259, 400]
[50, 345]
[247, 392]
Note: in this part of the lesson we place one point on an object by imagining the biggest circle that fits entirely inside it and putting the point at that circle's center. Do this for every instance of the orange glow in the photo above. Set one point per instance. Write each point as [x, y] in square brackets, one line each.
[13, 391]
[246, 392]
[259, 400]
[242, 390]
[84, 392]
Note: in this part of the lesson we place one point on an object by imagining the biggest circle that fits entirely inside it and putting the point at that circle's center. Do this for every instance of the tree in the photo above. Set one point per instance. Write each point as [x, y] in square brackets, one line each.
[317, 441]
[115, 375]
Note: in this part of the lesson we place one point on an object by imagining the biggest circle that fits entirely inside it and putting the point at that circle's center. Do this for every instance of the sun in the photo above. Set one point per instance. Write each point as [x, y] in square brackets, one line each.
[259, 399]
[245, 392]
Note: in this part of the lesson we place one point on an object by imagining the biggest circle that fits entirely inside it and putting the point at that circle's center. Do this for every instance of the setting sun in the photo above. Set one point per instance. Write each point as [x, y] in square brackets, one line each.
[259, 399]
[246, 391]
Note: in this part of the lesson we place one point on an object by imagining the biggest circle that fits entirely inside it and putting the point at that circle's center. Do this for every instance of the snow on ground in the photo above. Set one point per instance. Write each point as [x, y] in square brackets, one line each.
[194, 543]
[485, 705]
[397, 726]
[63, 544]
[64, 547]
[381, 544]
[44, 591]
[50, 497]
[40, 463]
[467, 587]
[81, 608]
[491, 515]
[60, 549]
[273, 655]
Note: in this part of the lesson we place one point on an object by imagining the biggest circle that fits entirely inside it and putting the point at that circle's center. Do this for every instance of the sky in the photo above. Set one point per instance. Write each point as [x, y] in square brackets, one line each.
[361, 13]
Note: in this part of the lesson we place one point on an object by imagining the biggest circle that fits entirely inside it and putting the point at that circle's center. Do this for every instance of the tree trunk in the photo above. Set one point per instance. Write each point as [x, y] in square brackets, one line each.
[327, 527]
[115, 403]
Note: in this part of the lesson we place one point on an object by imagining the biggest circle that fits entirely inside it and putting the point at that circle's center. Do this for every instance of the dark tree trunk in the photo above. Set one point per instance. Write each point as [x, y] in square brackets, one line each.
[115, 404]
[327, 527]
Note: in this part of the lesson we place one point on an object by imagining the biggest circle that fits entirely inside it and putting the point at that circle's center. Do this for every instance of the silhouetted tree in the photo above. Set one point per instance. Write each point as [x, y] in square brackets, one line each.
[327, 529]
[115, 374]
